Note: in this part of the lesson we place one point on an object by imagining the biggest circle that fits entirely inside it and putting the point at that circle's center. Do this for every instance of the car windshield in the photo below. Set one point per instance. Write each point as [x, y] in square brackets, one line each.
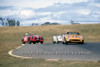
[73, 33]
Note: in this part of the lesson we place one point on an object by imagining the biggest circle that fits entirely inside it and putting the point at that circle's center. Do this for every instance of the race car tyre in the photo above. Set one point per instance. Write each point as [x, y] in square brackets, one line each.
[23, 42]
[54, 42]
[34, 42]
[81, 42]
[41, 42]
[62, 42]
[58, 42]
[29, 41]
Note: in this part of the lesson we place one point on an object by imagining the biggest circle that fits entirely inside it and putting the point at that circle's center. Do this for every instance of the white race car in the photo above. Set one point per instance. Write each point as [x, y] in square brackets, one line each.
[57, 39]
[54, 39]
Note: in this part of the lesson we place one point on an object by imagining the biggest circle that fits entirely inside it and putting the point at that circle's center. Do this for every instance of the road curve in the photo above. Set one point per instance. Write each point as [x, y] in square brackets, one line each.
[86, 52]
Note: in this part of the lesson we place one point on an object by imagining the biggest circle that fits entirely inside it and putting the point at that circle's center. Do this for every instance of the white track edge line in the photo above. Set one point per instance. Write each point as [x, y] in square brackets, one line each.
[10, 53]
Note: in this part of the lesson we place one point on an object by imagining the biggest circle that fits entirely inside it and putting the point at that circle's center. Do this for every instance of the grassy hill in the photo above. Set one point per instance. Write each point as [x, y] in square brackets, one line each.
[10, 38]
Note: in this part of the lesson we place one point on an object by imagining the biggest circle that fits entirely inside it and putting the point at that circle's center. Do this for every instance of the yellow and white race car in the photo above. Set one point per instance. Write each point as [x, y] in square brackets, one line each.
[72, 37]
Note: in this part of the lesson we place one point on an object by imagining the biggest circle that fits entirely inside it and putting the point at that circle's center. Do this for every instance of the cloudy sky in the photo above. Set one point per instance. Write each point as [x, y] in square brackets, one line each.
[61, 11]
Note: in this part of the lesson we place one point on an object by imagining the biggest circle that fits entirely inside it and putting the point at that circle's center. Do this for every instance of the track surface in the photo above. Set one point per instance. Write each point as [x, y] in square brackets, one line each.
[86, 52]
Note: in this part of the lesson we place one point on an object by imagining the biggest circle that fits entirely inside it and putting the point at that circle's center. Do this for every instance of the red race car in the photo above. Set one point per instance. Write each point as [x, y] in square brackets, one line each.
[32, 39]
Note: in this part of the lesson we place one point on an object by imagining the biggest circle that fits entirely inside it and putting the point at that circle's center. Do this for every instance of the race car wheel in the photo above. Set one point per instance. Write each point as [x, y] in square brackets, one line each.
[57, 42]
[23, 42]
[81, 42]
[54, 42]
[29, 41]
[34, 42]
[62, 42]
[41, 42]
[65, 41]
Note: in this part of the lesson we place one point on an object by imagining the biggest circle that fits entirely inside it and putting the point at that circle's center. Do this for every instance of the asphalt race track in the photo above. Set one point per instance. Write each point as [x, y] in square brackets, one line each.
[84, 52]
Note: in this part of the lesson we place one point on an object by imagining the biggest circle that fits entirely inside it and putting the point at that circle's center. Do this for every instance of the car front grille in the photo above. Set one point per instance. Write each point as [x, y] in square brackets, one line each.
[74, 40]
[37, 38]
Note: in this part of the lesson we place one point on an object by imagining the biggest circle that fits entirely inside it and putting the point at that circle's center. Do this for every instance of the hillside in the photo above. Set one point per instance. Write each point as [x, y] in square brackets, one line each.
[90, 32]
[10, 38]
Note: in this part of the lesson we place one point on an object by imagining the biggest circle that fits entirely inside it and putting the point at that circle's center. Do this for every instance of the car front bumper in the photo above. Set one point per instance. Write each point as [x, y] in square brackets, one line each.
[75, 40]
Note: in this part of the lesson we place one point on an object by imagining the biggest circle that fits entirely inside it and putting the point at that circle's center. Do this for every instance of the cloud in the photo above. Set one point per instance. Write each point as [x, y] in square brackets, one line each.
[8, 12]
[26, 3]
[96, 1]
[83, 12]
[58, 14]
[50, 10]
[5, 7]
[53, 14]
[48, 19]
[97, 4]
[27, 14]
[43, 13]
[73, 1]
[26, 22]
[96, 14]
[36, 3]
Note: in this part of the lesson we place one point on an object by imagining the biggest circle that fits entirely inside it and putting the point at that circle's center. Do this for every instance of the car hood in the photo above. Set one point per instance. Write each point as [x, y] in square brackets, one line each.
[74, 36]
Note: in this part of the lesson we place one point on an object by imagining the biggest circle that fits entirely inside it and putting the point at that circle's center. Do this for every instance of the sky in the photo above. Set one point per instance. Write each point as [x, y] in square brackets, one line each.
[60, 11]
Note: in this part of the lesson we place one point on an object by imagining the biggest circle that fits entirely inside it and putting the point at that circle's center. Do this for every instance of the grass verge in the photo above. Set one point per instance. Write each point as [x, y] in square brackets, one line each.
[10, 38]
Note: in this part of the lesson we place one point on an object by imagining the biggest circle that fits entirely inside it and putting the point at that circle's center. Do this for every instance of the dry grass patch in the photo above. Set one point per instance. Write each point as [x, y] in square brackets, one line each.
[10, 38]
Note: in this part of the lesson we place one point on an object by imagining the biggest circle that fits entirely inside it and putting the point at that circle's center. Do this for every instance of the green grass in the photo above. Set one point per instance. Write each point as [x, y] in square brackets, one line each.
[10, 38]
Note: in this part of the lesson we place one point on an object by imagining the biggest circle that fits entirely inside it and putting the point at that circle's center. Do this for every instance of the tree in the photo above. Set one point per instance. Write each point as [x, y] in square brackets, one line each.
[55, 23]
[9, 22]
[35, 24]
[12, 22]
[2, 21]
[18, 23]
[46, 23]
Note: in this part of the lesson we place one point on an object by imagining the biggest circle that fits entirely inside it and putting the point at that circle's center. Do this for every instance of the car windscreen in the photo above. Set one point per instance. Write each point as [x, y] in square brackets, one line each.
[73, 33]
